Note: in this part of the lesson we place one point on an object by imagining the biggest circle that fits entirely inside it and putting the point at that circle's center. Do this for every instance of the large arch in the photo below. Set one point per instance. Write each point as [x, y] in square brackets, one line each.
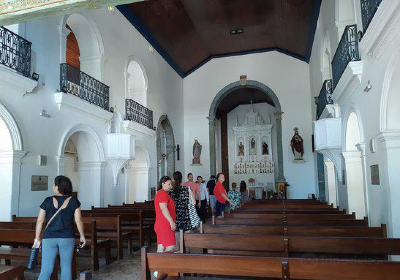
[136, 81]
[213, 111]
[89, 166]
[165, 147]
[354, 157]
[10, 164]
[89, 40]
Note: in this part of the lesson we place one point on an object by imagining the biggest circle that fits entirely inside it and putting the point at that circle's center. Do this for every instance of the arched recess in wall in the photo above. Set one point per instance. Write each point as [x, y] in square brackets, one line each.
[354, 165]
[212, 121]
[82, 158]
[137, 174]
[136, 81]
[90, 43]
[10, 164]
[165, 148]
[326, 58]
[344, 15]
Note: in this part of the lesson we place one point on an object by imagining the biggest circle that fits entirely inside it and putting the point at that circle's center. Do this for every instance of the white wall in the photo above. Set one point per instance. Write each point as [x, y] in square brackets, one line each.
[43, 136]
[286, 76]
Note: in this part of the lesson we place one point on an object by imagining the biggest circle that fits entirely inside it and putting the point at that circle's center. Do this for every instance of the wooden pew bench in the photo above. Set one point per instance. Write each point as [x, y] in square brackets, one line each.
[11, 272]
[265, 267]
[292, 246]
[289, 216]
[379, 232]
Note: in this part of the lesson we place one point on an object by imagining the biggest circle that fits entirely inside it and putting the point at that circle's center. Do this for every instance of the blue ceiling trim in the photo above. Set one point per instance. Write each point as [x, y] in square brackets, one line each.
[314, 20]
[125, 10]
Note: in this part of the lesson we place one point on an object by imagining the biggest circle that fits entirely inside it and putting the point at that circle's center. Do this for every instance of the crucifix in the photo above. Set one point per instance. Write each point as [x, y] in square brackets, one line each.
[177, 151]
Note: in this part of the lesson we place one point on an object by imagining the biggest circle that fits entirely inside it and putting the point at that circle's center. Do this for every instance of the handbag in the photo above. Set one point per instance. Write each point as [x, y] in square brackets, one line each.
[33, 255]
[194, 218]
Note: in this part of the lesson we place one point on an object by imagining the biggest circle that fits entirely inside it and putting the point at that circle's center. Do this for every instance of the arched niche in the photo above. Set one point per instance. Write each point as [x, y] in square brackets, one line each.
[224, 92]
[136, 82]
[165, 148]
[352, 132]
[89, 40]
[344, 15]
[137, 174]
[10, 164]
[84, 142]
[326, 57]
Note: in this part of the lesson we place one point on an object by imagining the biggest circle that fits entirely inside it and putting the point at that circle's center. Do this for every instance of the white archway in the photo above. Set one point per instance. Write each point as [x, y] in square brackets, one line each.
[326, 58]
[136, 81]
[354, 157]
[10, 164]
[137, 180]
[89, 40]
[89, 165]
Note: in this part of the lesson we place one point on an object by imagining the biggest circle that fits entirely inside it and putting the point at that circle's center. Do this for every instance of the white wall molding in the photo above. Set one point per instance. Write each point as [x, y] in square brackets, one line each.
[67, 101]
[137, 129]
[352, 156]
[329, 111]
[349, 81]
[389, 139]
[383, 29]
[91, 166]
[11, 80]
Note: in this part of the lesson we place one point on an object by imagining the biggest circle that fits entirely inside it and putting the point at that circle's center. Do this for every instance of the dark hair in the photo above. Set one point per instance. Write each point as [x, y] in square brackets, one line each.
[64, 185]
[212, 177]
[189, 174]
[219, 175]
[177, 180]
[199, 177]
[162, 181]
[243, 186]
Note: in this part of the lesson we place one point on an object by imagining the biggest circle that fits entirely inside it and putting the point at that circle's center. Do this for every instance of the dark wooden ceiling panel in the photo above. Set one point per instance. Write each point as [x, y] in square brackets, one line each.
[189, 32]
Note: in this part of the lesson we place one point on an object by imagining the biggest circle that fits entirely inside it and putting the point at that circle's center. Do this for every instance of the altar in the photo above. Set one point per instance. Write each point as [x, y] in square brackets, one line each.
[253, 154]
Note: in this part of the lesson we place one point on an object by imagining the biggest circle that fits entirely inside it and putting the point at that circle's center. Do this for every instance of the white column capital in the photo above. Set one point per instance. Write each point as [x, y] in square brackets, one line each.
[11, 156]
[389, 139]
[91, 165]
[351, 156]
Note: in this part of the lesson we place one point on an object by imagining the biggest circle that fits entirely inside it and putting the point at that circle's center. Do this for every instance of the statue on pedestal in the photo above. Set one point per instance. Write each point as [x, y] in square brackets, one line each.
[265, 148]
[241, 149]
[253, 147]
[297, 145]
[196, 152]
[115, 124]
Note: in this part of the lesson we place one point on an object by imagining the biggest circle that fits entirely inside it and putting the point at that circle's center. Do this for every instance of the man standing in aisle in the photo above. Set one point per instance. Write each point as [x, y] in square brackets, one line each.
[195, 189]
[210, 188]
[204, 197]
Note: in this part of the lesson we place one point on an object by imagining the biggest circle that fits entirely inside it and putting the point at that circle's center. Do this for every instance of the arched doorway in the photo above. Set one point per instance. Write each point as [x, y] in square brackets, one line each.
[137, 177]
[82, 159]
[10, 164]
[354, 167]
[213, 132]
[136, 82]
[165, 148]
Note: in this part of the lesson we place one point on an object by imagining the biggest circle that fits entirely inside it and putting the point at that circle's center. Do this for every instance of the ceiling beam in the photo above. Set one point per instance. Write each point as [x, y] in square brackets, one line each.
[15, 11]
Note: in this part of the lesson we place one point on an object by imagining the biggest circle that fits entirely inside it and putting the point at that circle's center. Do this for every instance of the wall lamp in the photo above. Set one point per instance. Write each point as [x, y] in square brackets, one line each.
[368, 87]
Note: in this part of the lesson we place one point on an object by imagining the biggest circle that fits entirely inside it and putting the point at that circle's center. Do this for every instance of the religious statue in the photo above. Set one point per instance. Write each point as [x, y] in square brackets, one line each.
[253, 147]
[297, 145]
[196, 152]
[241, 149]
[265, 148]
[115, 124]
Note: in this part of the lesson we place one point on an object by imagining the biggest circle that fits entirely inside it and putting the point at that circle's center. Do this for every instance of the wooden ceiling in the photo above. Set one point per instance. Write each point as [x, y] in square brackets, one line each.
[242, 96]
[188, 33]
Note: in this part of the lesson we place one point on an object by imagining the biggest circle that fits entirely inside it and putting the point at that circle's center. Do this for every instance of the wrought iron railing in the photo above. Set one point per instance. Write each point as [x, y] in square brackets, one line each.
[346, 51]
[15, 52]
[368, 10]
[80, 84]
[324, 97]
[138, 113]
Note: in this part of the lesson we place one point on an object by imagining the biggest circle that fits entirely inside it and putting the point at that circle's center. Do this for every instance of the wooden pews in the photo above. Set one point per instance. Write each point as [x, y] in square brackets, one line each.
[8, 272]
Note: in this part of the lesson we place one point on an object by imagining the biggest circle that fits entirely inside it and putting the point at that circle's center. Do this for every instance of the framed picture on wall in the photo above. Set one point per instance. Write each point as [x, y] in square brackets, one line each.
[39, 183]
[375, 179]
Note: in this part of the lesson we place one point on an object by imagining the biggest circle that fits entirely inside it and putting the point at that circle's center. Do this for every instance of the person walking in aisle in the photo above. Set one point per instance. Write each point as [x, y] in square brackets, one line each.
[59, 211]
[204, 197]
[210, 187]
[244, 192]
[195, 189]
[220, 195]
[165, 217]
[234, 196]
[181, 197]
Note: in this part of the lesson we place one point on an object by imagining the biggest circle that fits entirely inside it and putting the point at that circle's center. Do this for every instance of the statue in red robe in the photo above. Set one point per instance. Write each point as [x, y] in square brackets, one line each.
[297, 145]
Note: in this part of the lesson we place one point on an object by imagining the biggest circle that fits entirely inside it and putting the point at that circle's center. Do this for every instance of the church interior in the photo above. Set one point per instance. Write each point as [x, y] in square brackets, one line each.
[298, 99]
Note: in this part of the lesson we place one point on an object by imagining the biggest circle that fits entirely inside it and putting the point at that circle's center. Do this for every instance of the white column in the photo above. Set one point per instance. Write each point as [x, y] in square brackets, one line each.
[330, 179]
[64, 32]
[128, 171]
[10, 170]
[355, 183]
[361, 149]
[91, 182]
[390, 178]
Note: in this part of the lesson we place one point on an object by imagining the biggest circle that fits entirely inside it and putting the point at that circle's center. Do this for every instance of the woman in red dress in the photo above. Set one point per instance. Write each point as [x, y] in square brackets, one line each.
[165, 217]
[220, 195]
